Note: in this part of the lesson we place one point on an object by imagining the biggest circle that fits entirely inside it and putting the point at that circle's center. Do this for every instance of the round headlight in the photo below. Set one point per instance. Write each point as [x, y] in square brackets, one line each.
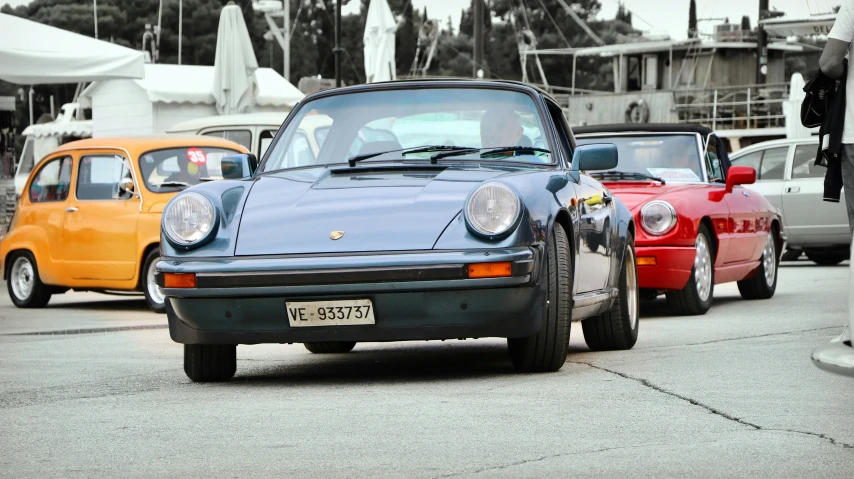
[658, 217]
[189, 219]
[492, 209]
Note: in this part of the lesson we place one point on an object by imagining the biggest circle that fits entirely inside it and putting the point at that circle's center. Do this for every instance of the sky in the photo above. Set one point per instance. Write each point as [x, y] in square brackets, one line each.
[663, 16]
[654, 16]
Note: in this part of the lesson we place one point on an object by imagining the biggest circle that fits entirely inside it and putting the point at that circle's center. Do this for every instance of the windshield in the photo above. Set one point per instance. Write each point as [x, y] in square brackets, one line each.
[178, 168]
[333, 129]
[674, 158]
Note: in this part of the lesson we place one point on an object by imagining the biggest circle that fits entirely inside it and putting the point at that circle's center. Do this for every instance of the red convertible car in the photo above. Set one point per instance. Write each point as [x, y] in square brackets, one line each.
[699, 227]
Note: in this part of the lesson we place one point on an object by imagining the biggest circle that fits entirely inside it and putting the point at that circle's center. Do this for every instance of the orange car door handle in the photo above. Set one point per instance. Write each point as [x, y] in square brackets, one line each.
[71, 209]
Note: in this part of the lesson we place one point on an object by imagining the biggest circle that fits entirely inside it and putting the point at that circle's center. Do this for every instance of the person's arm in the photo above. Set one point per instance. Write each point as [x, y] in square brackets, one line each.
[838, 42]
[832, 57]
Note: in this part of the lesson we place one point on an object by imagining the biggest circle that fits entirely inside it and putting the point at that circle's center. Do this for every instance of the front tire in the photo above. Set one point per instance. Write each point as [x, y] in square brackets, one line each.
[210, 362]
[24, 284]
[617, 329]
[153, 295]
[330, 347]
[696, 297]
[546, 350]
[763, 284]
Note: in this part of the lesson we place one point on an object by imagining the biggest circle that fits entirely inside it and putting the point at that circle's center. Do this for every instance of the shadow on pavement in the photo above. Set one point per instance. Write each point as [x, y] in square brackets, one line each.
[128, 304]
[365, 364]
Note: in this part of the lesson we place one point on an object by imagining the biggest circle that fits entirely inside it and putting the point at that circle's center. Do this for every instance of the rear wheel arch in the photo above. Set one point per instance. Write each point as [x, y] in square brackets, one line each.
[778, 241]
[6, 264]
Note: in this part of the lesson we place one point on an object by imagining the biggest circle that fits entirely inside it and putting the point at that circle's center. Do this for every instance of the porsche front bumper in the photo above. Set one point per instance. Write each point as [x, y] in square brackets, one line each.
[415, 296]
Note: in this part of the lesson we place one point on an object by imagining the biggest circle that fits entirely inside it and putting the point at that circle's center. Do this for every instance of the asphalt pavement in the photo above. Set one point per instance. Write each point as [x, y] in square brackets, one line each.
[92, 386]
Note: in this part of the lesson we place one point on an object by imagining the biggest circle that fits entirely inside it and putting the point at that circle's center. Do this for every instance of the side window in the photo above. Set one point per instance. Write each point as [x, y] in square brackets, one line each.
[773, 164]
[752, 160]
[52, 182]
[98, 178]
[713, 161]
[241, 137]
[264, 140]
[804, 164]
[299, 153]
[561, 129]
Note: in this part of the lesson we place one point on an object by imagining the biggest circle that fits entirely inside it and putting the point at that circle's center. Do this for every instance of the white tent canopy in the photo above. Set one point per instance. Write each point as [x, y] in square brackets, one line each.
[32, 53]
[379, 43]
[235, 86]
[164, 83]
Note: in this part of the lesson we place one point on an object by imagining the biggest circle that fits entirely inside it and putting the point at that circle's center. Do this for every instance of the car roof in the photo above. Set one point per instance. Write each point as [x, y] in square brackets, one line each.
[643, 128]
[272, 118]
[136, 145]
[431, 83]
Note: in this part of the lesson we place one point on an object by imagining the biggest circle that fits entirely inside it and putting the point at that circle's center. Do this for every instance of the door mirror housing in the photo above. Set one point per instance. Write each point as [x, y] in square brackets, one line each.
[239, 166]
[600, 156]
[740, 175]
[126, 186]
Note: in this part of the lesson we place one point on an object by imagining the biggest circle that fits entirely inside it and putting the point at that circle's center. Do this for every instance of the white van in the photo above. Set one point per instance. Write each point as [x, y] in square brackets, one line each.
[255, 131]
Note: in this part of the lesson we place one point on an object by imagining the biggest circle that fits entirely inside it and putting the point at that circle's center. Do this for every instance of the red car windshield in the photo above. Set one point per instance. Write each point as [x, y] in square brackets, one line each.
[674, 158]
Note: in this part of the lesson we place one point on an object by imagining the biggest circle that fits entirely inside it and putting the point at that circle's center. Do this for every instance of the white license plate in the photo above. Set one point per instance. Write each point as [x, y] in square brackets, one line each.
[330, 313]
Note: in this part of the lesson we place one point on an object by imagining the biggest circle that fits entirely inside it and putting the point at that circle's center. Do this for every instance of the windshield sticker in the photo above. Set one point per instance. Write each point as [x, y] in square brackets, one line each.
[196, 156]
[675, 174]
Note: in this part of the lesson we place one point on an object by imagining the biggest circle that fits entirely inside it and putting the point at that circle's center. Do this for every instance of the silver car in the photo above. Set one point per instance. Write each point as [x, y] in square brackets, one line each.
[786, 174]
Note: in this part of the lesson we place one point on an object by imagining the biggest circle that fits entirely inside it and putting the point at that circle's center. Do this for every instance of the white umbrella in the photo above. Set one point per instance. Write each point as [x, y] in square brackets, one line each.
[235, 86]
[379, 43]
[32, 53]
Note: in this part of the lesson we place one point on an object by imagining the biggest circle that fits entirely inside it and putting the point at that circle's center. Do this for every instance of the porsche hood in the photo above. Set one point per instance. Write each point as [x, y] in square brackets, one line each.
[353, 210]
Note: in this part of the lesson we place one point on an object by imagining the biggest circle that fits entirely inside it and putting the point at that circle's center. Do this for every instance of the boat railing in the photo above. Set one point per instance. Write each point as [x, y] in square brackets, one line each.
[736, 107]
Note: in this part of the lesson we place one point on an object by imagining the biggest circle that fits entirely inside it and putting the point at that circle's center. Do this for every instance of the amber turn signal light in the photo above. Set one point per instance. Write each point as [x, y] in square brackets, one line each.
[646, 261]
[490, 270]
[179, 280]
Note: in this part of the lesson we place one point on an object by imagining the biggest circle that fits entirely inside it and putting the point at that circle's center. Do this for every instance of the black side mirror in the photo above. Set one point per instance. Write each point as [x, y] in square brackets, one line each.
[239, 166]
[600, 156]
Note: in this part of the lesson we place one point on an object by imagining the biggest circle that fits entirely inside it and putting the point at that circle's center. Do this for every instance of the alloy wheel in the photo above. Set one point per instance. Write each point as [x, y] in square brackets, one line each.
[703, 268]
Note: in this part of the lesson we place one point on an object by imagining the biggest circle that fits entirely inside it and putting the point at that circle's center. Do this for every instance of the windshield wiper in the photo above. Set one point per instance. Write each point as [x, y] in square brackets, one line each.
[504, 149]
[405, 151]
[168, 184]
[625, 175]
[487, 151]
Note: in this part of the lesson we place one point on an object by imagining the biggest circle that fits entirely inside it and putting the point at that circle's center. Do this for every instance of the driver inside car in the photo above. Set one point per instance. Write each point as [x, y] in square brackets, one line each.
[500, 128]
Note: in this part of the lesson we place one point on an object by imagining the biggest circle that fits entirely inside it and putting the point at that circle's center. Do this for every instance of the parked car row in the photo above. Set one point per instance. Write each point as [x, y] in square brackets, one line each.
[407, 211]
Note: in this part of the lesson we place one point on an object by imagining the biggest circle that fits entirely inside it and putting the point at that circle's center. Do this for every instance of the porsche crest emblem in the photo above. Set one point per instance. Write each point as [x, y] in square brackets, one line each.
[336, 235]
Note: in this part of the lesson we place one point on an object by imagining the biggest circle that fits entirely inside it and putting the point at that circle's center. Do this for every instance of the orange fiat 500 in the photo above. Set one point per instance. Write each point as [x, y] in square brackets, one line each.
[89, 216]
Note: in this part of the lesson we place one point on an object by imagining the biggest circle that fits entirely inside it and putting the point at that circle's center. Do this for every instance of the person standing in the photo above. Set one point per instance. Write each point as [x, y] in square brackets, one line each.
[833, 64]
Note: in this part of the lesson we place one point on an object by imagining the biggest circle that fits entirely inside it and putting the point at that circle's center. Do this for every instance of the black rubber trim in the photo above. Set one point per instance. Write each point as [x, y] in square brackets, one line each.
[395, 274]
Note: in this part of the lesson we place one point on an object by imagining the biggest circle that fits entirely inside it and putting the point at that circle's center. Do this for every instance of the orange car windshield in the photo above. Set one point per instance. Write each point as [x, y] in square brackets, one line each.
[174, 169]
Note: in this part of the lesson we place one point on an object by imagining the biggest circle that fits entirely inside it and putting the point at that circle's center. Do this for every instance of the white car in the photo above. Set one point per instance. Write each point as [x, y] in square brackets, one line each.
[786, 174]
[255, 131]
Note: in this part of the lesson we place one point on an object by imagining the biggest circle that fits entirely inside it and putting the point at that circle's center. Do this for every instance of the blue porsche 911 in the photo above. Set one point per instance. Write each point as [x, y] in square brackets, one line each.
[412, 210]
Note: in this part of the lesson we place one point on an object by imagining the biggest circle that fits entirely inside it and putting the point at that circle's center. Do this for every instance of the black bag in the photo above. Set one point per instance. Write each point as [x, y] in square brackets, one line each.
[814, 106]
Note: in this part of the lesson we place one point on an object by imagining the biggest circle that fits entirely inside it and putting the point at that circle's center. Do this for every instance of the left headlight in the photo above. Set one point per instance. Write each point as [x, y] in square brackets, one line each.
[189, 219]
[658, 217]
[493, 209]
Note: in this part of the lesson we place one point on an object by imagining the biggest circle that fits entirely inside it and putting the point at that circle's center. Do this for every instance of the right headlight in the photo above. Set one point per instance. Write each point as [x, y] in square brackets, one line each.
[189, 219]
[492, 209]
[658, 217]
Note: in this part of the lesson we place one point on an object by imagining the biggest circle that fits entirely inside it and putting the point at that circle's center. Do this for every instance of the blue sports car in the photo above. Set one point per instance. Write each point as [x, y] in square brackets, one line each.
[432, 210]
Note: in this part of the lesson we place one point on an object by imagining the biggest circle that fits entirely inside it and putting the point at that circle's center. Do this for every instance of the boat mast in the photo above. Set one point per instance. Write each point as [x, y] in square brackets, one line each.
[762, 44]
